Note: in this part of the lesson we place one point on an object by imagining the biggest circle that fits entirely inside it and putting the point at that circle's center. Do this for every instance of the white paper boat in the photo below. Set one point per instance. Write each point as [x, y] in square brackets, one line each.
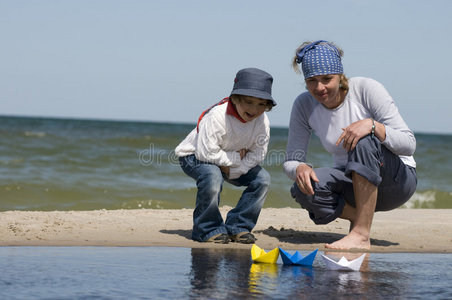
[343, 263]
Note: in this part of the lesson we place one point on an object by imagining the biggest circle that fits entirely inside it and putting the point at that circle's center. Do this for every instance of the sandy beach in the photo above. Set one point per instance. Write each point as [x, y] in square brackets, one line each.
[401, 230]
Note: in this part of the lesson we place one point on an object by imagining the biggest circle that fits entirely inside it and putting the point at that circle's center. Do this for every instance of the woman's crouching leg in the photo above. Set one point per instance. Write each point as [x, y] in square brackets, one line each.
[331, 193]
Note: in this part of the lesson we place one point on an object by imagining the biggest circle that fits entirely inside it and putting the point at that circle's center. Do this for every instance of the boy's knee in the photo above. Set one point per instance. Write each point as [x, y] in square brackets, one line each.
[264, 177]
[258, 176]
[211, 181]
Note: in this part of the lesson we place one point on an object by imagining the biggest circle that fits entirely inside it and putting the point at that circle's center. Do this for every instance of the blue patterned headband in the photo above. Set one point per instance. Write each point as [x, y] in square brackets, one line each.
[320, 58]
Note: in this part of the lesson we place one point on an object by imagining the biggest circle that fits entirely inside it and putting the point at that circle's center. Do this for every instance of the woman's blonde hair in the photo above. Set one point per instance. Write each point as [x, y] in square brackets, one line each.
[343, 81]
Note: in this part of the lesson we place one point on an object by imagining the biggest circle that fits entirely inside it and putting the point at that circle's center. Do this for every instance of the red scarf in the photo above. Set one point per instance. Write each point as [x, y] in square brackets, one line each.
[230, 110]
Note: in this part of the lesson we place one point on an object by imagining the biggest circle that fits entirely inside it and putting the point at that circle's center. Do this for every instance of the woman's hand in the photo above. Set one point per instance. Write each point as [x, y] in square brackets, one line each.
[304, 175]
[354, 132]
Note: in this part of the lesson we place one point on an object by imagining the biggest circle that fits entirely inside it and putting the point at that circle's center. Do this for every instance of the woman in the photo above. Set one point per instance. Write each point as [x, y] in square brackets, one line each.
[372, 147]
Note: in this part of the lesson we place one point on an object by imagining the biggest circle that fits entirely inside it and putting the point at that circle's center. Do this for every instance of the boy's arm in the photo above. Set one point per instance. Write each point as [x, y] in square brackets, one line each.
[210, 136]
[256, 152]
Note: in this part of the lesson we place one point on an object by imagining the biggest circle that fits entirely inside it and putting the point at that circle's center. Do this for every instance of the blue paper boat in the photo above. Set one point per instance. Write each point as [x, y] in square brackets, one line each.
[297, 258]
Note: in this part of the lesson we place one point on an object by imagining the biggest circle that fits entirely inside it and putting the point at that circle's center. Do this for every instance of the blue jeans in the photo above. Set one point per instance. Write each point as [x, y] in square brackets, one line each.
[207, 220]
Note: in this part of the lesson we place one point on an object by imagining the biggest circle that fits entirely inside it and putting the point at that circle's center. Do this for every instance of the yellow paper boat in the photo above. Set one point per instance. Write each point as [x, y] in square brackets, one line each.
[259, 255]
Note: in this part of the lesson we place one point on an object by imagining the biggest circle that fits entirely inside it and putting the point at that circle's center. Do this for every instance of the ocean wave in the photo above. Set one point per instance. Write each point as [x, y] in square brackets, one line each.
[430, 199]
[35, 133]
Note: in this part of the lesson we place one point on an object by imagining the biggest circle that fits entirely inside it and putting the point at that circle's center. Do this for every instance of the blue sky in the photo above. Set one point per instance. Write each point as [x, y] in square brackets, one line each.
[169, 60]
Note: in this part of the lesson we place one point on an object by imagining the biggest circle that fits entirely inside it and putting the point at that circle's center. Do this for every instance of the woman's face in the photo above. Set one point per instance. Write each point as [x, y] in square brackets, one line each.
[249, 108]
[325, 88]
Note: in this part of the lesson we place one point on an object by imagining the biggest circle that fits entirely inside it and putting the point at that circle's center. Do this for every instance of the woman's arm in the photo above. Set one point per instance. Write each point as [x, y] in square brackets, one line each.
[299, 136]
[386, 122]
[391, 129]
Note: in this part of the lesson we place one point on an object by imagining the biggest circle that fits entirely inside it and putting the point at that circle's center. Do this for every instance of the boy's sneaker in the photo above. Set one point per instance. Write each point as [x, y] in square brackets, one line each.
[221, 238]
[244, 238]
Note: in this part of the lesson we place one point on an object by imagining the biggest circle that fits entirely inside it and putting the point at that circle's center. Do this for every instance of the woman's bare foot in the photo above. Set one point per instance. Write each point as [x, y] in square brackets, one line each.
[351, 241]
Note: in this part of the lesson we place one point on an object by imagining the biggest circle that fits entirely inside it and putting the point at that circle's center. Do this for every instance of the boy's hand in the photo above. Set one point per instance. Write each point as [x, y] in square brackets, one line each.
[243, 153]
[225, 170]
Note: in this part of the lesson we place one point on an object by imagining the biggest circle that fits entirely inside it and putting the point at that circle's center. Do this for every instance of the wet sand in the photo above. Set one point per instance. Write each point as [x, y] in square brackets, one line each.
[401, 230]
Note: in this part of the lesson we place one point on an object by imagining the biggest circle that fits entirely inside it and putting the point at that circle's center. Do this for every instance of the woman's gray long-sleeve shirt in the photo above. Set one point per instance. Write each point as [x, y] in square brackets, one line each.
[366, 98]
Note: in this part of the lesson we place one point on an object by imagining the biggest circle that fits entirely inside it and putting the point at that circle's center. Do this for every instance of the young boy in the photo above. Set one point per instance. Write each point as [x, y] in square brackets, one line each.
[228, 143]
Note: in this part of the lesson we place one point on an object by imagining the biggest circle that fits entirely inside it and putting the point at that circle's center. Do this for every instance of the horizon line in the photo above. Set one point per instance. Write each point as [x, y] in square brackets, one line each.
[97, 119]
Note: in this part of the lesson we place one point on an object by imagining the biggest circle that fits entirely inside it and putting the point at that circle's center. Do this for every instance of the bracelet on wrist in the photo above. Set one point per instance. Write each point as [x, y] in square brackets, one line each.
[373, 128]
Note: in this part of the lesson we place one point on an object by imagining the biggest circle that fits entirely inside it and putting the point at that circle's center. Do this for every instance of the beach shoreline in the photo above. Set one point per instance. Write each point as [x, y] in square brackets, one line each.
[400, 230]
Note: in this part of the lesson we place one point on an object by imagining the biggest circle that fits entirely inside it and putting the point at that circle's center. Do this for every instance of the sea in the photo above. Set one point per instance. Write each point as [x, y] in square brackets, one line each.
[72, 164]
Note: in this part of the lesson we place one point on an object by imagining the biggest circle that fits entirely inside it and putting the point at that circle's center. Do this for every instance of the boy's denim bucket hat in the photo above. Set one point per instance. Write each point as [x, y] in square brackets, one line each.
[255, 83]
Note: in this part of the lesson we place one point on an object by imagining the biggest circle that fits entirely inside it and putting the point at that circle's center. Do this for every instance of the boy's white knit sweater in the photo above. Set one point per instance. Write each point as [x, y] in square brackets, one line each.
[221, 135]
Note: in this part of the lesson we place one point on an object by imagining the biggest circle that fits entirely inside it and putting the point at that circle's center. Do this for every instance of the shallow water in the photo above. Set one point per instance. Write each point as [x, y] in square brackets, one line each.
[170, 273]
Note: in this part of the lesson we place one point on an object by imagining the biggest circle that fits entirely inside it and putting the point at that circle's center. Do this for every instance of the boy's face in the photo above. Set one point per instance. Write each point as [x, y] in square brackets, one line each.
[249, 108]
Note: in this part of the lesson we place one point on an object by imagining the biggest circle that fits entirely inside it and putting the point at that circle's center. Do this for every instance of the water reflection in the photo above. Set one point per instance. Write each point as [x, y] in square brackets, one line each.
[219, 273]
[181, 273]
[262, 277]
[230, 273]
